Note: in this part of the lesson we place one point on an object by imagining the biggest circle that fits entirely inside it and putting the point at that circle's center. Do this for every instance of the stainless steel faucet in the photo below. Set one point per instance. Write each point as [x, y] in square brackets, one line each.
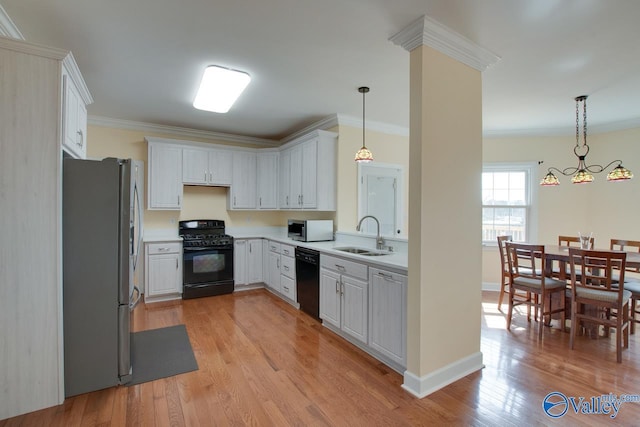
[379, 240]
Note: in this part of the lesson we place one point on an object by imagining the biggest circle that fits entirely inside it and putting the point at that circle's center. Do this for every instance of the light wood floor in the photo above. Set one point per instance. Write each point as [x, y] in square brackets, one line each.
[263, 363]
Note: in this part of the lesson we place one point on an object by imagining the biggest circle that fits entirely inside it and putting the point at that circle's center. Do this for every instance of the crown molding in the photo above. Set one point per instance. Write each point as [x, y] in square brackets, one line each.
[7, 27]
[426, 31]
[72, 68]
[328, 122]
[381, 127]
[179, 131]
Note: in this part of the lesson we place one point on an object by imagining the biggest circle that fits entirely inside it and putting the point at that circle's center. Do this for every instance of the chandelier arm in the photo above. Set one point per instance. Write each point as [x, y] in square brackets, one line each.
[566, 171]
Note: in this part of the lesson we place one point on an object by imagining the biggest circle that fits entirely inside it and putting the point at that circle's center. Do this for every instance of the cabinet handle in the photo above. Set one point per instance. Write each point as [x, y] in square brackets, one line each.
[250, 247]
[286, 251]
[163, 249]
[301, 199]
[287, 203]
[341, 288]
[286, 267]
[337, 287]
[386, 276]
[81, 143]
[340, 267]
[178, 200]
[234, 200]
[278, 263]
[176, 263]
[205, 175]
[285, 288]
[260, 201]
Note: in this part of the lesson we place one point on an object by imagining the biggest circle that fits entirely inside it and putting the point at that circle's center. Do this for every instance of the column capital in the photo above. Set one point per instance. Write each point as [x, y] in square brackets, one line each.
[426, 31]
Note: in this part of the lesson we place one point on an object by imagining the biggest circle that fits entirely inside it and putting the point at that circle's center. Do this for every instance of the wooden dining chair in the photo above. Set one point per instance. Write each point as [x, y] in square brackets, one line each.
[504, 265]
[631, 283]
[569, 241]
[526, 274]
[595, 288]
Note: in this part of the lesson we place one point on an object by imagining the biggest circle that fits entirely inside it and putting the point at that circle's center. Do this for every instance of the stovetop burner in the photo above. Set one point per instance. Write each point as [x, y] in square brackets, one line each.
[204, 233]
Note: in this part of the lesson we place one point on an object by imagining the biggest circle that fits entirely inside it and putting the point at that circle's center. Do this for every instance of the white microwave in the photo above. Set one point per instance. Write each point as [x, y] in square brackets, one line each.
[310, 230]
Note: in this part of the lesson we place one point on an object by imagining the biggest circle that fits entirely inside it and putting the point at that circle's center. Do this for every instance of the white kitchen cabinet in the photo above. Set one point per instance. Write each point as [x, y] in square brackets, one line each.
[74, 121]
[163, 271]
[288, 272]
[164, 177]
[344, 296]
[243, 182]
[273, 278]
[388, 314]
[247, 261]
[206, 167]
[267, 180]
[308, 173]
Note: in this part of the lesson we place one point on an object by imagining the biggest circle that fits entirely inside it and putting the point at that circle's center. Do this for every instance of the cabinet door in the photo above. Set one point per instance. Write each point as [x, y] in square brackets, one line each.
[354, 307]
[195, 166]
[330, 297]
[74, 120]
[254, 261]
[220, 167]
[240, 262]
[267, 181]
[309, 175]
[165, 177]
[388, 314]
[295, 183]
[274, 271]
[243, 183]
[164, 274]
[285, 180]
[288, 287]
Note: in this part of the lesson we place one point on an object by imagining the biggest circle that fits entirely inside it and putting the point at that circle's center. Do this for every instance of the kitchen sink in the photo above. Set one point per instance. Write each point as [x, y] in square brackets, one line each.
[363, 251]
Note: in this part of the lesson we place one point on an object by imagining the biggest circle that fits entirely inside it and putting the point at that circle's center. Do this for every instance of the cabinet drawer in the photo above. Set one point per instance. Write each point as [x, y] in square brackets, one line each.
[287, 250]
[344, 266]
[274, 247]
[164, 248]
[288, 266]
[288, 287]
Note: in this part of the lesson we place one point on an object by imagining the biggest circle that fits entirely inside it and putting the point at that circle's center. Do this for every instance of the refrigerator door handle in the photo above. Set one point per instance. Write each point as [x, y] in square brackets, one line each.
[134, 303]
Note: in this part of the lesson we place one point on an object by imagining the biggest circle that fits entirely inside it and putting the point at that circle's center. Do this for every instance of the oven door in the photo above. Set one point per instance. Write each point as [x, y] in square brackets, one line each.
[207, 265]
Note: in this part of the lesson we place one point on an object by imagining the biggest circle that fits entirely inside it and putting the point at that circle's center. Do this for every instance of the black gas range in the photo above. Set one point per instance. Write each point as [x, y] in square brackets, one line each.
[207, 258]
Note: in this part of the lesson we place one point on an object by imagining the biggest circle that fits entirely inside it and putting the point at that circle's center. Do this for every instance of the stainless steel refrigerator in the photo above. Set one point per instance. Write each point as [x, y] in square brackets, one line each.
[102, 232]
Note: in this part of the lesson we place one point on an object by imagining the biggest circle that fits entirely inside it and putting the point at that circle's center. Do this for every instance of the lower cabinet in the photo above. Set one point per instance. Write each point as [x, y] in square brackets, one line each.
[388, 314]
[288, 272]
[163, 271]
[344, 296]
[247, 261]
[273, 266]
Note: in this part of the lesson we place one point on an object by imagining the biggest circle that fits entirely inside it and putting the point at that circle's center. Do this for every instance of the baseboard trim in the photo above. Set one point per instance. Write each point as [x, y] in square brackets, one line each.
[423, 386]
[491, 286]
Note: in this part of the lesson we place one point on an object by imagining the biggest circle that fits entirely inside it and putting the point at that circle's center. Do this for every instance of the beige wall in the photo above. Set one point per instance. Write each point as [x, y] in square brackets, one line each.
[386, 148]
[609, 210]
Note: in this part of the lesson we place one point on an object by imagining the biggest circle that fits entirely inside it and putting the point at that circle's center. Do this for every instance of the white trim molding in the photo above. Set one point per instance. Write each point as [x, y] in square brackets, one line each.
[7, 27]
[426, 31]
[423, 386]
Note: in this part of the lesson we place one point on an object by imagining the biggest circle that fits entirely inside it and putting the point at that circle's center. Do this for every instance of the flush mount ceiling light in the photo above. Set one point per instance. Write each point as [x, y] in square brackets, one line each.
[363, 155]
[583, 174]
[219, 88]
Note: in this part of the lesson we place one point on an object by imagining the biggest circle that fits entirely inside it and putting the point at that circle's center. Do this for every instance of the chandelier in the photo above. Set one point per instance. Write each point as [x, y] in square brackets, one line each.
[363, 155]
[583, 173]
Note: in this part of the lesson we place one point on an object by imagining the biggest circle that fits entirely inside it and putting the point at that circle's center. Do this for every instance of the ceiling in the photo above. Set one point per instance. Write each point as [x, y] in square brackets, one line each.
[142, 60]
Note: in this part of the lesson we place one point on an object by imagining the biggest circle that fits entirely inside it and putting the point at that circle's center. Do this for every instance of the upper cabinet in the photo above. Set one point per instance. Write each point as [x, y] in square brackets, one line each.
[243, 183]
[300, 164]
[164, 177]
[74, 118]
[270, 178]
[267, 180]
[206, 167]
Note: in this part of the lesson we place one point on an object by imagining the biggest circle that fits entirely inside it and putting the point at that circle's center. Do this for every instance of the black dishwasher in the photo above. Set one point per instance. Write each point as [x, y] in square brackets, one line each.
[308, 280]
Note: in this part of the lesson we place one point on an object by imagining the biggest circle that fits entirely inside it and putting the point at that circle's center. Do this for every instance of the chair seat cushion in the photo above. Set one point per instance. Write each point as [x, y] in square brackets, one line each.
[602, 295]
[536, 284]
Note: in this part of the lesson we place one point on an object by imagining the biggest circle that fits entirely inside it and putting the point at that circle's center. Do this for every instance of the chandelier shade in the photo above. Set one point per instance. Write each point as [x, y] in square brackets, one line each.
[583, 173]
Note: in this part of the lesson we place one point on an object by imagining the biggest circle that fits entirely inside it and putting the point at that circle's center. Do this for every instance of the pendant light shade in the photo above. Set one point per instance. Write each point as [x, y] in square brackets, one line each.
[363, 154]
[583, 173]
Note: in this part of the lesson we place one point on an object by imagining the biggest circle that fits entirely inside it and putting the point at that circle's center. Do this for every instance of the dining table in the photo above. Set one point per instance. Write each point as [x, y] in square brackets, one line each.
[560, 254]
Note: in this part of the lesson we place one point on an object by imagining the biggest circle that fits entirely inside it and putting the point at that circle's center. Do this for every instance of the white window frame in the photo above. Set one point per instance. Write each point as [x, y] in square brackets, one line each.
[531, 208]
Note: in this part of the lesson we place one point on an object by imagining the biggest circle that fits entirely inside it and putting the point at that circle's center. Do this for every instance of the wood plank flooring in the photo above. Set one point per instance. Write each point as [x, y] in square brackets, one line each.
[264, 363]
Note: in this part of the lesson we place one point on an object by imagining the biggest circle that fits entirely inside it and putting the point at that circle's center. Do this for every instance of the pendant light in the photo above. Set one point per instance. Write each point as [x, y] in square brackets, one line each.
[363, 155]
[583, 173]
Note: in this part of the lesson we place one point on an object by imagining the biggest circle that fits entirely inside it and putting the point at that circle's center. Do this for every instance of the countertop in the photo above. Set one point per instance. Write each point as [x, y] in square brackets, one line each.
[397, 261]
